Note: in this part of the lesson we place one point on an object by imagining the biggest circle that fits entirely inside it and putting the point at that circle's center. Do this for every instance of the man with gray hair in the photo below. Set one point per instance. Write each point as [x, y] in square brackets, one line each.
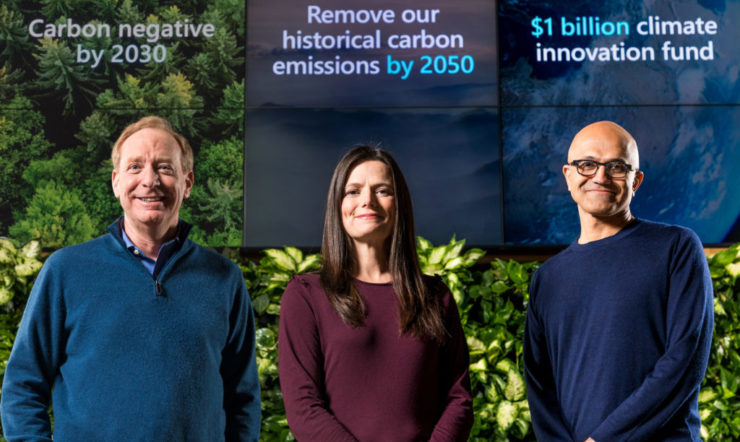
[619, 324]
[139, 334]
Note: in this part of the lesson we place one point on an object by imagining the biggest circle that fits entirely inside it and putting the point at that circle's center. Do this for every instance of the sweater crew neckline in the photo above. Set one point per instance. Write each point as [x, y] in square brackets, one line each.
[603, 242]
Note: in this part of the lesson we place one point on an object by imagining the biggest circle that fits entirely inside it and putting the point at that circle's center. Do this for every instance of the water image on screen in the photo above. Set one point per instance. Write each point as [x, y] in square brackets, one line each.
[690, 156]
[449, 158]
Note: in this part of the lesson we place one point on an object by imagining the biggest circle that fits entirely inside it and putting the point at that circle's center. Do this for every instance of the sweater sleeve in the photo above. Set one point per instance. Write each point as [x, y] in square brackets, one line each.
[33, 365]
[677, 375]
[544, 407]
[300, 364]
[239, 371]
[457, 417]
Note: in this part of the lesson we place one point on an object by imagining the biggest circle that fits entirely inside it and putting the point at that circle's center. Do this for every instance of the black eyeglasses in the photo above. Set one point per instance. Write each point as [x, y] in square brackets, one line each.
[615, 169]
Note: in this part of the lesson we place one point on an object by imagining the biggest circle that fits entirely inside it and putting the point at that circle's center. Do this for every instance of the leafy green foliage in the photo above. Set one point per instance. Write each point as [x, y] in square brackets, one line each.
[55, 216]
[492, 305]
[21, 142]
[14, 43]
[492, 300]
[18, 268]
[266, 282]
[61, 76]
[447, 262]
[216, 204]
[719, 400]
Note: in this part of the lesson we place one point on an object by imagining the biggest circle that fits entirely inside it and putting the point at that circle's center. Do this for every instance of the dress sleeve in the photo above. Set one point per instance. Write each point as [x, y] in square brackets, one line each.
[33, 365]
[544, 407]
[239, 371]
[456, 420]
[300, 365]
[677, 375]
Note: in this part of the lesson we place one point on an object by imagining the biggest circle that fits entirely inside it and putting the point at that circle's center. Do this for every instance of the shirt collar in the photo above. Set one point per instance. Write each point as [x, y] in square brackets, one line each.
[166, 250]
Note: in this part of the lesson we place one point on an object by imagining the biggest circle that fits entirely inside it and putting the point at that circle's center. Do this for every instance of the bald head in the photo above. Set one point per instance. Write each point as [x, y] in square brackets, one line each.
[603, 200]
[604, 136]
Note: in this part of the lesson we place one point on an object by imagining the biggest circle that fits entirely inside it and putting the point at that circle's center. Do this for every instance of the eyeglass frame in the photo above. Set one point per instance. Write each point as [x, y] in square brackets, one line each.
[575, 164]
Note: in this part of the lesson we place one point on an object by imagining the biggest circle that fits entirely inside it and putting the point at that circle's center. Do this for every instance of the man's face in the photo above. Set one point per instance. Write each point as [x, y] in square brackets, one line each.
[149, 179]
[602, 195]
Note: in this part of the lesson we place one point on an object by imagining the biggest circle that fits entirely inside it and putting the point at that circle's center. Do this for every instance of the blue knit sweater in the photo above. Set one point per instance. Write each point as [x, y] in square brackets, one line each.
[129, 357]
[618, 336]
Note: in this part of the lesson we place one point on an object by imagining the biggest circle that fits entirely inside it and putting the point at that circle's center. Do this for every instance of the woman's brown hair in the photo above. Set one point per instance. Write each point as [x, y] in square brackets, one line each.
[420, 311]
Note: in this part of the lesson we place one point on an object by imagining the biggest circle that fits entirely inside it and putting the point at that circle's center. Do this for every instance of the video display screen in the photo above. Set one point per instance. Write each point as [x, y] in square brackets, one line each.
[410, 78]
[482, 133]
[666, 71]
[476, 99]
[74, 74]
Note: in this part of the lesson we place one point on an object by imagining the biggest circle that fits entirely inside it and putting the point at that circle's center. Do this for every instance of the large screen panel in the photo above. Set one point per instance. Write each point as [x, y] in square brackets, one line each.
[380, 53]
[690, 156]
[448, 156]
[619, 53]
[74, 74]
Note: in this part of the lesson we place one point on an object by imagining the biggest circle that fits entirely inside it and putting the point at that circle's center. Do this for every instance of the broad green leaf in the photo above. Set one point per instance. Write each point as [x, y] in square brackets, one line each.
[705, 413]
[423, 244]
[704, 432]
[294, 253]
[719, 309]
[472, 256]
[725, 257]
[515, 389]
[260, 304]
[7, 245]
[733, 269]
[437, 254]
[493, 350]
[311, 262]
[729, 382]
[454, 263]
[5, 256]
[27, 266]
[453, 250]
[280, 277]
[31, 250]
[481, 365]
[499, 287]
[5, 295]
[506, 414]
[522, 426]
[265, 338]
[475, 345]
[504, 366]
[282, 259]
[493, 395]
[499, 382]
[273, 309]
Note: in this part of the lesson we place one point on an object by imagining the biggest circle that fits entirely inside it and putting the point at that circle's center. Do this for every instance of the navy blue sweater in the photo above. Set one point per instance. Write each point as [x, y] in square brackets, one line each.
[129, 357]
[618, 336]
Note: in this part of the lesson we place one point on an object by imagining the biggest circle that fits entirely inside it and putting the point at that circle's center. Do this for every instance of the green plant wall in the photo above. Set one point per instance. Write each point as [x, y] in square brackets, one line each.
[492, 299]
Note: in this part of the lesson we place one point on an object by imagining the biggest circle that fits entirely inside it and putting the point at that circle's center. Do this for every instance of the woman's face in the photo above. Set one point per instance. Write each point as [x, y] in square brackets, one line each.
[368, 205]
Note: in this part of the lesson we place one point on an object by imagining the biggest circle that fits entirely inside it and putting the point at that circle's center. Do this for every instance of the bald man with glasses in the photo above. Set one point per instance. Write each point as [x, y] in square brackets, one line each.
[619, 324]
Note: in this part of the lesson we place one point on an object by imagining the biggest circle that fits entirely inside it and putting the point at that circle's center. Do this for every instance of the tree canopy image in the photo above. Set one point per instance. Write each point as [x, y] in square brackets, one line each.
[74, 74]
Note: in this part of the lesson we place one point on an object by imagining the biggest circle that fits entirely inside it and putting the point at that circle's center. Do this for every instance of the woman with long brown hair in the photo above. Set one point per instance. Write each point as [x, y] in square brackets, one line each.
[370, 348]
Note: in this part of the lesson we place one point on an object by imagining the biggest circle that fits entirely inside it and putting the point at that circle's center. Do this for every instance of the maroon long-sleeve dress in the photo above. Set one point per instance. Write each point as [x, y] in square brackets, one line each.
[370, 383]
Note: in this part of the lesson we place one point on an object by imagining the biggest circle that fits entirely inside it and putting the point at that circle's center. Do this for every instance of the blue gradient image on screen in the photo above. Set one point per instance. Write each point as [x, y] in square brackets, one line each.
[690, 156]
[450, 158]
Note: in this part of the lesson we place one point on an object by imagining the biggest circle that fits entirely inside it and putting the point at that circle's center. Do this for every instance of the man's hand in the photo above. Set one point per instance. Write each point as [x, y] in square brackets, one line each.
[590, 440]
